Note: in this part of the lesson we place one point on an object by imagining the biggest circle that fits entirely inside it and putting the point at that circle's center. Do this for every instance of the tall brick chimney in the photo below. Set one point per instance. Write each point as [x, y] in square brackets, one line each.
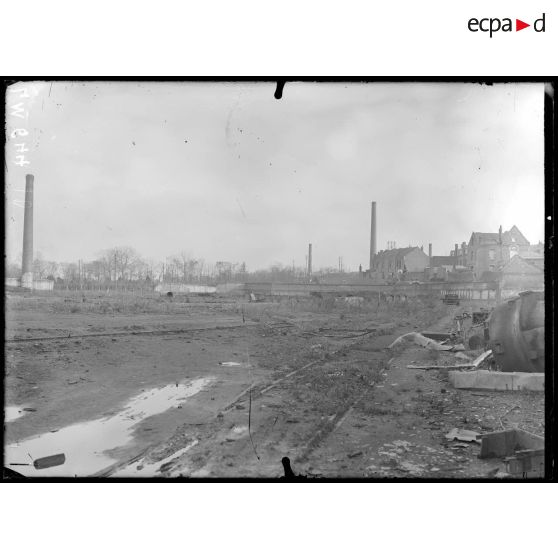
[27, 259]
[372, 234]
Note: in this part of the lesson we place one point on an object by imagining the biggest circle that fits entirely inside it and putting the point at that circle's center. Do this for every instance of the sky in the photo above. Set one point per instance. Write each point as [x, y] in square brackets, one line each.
[226, 172]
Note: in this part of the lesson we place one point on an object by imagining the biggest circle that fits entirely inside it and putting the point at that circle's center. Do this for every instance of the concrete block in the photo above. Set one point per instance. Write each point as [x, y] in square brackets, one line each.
[498, 381]
[526, 462]
[507, 443]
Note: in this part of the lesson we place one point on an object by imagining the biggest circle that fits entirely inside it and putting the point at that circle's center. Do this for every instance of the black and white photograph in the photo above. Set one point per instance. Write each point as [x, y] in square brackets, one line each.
[256, 279]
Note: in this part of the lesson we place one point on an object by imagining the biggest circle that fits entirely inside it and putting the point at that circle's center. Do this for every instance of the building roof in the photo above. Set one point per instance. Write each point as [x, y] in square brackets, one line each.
[518, 265]
[490, 238]
[514, 235]
[535, 262]
[486, 236]
[397, 252]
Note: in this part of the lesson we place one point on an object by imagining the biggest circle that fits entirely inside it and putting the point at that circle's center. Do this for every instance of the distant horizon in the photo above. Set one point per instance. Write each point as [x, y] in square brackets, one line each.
[285, 265]
[16, 259]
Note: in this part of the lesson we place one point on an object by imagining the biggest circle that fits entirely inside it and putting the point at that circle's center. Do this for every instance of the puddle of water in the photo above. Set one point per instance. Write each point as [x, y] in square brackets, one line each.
[13, 412]
[150, 469]
[231, 363]
[236, 432]
[85, 444]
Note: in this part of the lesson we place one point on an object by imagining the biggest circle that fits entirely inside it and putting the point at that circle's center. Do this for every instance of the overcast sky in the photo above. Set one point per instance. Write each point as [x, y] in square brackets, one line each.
[228, 172]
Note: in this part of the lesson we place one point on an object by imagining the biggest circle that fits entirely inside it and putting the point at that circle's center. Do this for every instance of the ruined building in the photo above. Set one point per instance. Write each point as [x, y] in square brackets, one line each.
[490, 252]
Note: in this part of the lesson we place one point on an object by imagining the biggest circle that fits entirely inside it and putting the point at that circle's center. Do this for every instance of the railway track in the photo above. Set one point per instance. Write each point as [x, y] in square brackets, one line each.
[126, 333]
[261, 388]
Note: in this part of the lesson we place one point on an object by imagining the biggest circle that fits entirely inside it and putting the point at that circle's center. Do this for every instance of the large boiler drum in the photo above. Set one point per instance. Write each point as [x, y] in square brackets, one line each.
[516, 333]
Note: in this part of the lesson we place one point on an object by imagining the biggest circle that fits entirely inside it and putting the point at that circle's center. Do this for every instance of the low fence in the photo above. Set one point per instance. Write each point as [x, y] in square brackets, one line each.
[465, 290]
[43, 285]
[181, 288]
[473, 292]
[38, 285]
[470, 291]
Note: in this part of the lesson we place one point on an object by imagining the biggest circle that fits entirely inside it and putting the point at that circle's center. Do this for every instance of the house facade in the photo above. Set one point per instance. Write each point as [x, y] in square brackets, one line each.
[393, 263]
[490, 252]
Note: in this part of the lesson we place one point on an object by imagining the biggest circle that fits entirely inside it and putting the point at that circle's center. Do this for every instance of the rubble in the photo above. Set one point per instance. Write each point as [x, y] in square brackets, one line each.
[526, 461]
[475, 364]
[437, 335]
[50, 461]
[522, 451]
[463, 435]
[482, 358]
[421, 340]
[505, 443]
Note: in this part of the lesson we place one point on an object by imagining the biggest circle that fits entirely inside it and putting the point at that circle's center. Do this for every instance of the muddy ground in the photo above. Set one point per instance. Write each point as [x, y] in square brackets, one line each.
[134, 385]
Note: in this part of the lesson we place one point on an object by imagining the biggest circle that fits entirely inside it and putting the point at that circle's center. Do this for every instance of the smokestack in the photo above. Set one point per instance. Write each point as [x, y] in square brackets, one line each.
[373, 234]
[27, 260]
[309, 259]
[430, 254]
[455, 257]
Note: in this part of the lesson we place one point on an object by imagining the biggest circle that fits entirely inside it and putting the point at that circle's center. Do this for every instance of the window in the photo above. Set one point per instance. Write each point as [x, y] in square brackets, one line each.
[491, 255]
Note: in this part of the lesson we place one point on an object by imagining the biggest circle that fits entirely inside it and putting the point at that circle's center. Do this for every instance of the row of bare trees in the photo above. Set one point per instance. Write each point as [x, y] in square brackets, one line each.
[122, 267]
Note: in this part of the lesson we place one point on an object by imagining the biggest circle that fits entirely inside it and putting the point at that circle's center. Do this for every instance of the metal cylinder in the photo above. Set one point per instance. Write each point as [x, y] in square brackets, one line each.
[516, 333]
[27, 259]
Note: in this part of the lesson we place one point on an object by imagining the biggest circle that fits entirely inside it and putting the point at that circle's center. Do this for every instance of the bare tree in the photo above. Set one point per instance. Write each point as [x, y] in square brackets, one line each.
[70, 272]
[43, 268]
[13, 269]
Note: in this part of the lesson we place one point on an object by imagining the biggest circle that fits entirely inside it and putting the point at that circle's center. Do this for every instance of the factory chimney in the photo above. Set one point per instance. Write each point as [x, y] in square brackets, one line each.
[373, 234]
[27, 260]
[455, 259]
[430, 254]
[309, 259]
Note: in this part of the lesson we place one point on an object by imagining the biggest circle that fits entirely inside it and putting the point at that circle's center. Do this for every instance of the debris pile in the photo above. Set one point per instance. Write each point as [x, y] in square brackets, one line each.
[522, 451]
